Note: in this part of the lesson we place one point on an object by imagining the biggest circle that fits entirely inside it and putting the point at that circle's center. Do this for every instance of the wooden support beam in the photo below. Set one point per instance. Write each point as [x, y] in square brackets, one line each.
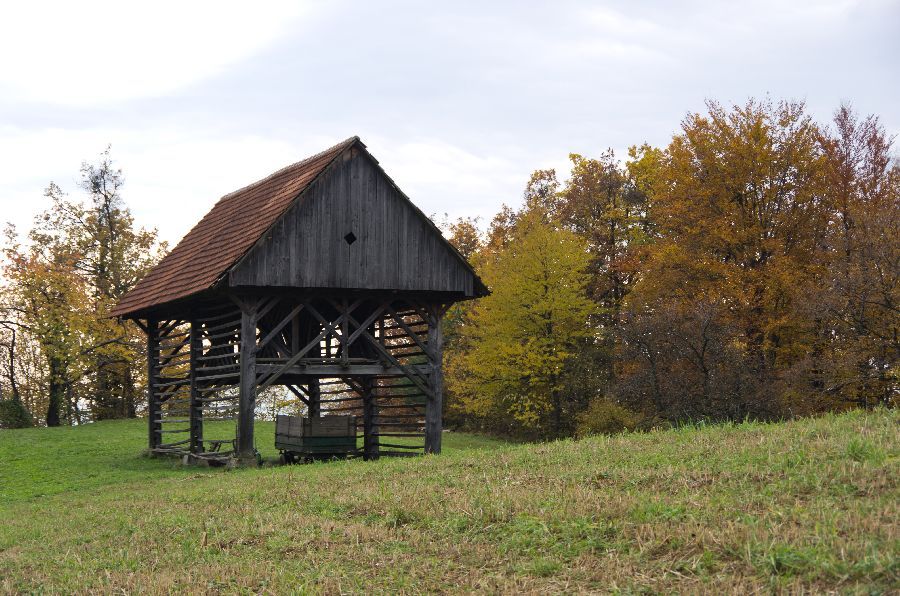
[153, 405]
[315, 398]
[327, 328]
[196, 407]
[364, 326]
[345, 333]
[281, 324]
[166, 327]
[247, 396]
[295, 334]
[385, 353]
[337, 370]
[370, 428]
[434, 400]
[172, 355]
[280, 348]
[263, 307]
[412, 334]
[298, 394]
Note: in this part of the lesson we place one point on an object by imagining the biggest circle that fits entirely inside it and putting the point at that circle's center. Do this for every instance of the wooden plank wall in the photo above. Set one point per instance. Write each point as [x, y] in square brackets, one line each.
[394, 248]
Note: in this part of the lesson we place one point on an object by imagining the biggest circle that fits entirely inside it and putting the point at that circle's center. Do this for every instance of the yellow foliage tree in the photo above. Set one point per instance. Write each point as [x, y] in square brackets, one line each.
[522, 338]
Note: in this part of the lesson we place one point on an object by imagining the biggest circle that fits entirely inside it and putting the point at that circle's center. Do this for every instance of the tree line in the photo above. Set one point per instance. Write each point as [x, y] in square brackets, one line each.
[749, 269]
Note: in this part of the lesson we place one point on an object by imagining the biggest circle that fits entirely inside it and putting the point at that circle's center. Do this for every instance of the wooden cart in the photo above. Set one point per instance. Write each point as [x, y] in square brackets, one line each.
[307, 438]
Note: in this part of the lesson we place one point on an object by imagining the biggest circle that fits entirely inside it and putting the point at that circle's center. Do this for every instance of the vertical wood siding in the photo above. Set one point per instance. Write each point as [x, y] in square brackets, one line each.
[394, 248]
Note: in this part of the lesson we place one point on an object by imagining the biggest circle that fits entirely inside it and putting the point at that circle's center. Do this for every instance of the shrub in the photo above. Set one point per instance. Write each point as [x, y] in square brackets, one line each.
[605, 417]
[13, 414]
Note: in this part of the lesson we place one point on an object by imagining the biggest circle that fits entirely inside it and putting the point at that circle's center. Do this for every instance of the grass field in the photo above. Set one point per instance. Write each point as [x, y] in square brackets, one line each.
[808, 505]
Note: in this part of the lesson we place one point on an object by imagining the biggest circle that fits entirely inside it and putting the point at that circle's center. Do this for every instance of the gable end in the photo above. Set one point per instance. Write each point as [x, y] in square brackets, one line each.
[353, 228]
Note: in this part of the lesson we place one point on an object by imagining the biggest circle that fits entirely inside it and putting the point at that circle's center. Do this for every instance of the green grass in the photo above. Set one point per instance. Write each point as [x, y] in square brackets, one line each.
[809, 505]
[39, 462]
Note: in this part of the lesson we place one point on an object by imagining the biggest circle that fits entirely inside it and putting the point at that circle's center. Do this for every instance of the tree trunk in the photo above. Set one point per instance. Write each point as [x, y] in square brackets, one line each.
[57, 390]
[13, 385]
[130, 406]
[557, 411]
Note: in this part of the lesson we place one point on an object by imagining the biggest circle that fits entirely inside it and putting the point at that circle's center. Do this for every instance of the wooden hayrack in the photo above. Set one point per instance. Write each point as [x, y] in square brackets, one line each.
[322, 278]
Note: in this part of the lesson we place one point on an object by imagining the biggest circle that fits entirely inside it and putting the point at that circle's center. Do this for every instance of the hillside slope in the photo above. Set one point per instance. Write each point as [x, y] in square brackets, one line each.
[808, 504]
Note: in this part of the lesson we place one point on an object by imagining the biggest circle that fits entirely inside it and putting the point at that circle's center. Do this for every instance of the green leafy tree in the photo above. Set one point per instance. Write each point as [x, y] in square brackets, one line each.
[13, 412]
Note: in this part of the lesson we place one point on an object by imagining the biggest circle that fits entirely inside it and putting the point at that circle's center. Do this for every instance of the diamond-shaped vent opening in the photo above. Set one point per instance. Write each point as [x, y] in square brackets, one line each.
[350, 238]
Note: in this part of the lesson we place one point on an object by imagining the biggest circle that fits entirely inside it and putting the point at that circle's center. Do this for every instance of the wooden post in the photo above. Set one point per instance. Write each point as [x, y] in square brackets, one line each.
[345, 333]
[315, 398]
[196, 407]
[247, 399]
[370, 429]
[153, 408]
[434, 403]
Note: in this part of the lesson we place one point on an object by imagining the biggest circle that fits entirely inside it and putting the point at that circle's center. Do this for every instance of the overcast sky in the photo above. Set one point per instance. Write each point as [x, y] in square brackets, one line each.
[459, 101]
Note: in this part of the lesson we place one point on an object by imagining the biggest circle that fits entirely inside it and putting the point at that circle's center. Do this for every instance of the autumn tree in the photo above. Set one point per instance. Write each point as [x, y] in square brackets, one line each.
[542, 194]
[741, 221]
[521, 340]
[113, 254]
[49, 301]
[465, 236]
[749, 268]
[601, 203]
[78, 259]
[855, 357]
[21, 368]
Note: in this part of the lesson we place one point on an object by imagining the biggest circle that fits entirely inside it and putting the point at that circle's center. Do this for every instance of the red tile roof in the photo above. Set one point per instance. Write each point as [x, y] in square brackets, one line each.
[222, 237]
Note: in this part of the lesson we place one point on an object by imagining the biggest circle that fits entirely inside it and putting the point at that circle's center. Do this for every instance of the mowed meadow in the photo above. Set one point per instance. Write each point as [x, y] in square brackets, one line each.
[806, 505]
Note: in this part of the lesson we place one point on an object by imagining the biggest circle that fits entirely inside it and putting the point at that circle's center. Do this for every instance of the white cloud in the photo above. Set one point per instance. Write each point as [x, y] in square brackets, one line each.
[459, 103]
[173, 177]
[444, 178]
[102, 51]
[616, 23]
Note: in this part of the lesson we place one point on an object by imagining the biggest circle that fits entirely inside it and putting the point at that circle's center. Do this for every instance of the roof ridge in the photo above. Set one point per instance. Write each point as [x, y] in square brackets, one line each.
[304, 161]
